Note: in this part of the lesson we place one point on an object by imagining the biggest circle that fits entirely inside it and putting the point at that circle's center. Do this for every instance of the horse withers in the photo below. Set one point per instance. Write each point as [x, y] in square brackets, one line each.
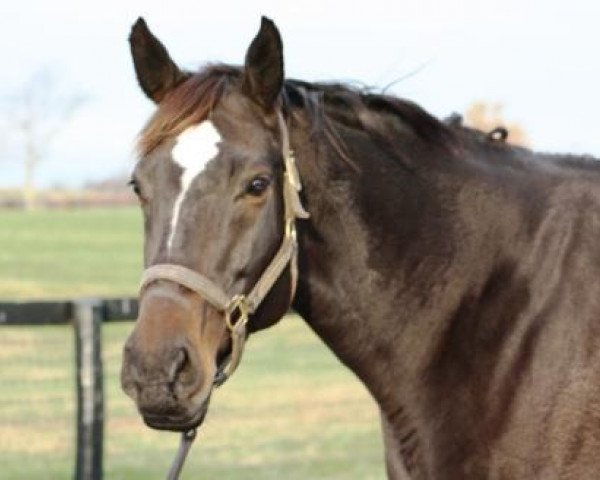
[456, 275]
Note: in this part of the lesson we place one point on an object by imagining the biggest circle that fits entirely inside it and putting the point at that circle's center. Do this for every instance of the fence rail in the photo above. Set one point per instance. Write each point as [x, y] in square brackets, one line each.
[86, 316]
[61, 312]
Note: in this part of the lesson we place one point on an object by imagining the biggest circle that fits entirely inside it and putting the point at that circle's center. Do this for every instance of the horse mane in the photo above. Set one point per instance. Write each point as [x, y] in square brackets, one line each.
[379, 115]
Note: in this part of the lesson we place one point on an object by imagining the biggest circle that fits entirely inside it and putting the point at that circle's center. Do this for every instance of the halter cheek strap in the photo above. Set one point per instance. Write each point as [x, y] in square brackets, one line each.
[238, 308]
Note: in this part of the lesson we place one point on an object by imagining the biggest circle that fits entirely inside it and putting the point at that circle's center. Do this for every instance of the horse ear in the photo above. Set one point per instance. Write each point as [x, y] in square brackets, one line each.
[263, 71]
[157, 74]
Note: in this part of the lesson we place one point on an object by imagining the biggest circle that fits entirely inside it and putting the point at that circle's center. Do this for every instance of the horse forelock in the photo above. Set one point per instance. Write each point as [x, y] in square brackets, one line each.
[190, 103]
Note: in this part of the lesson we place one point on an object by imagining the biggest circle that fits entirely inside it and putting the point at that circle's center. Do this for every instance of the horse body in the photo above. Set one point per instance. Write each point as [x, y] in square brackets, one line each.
[473, 317]
[454, 274]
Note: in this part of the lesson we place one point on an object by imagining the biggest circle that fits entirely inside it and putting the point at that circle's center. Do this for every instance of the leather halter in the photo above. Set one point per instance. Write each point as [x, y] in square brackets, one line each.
[238, 308]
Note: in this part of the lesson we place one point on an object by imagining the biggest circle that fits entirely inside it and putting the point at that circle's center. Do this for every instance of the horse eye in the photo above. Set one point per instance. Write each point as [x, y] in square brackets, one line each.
[135, 187]
[257, 185]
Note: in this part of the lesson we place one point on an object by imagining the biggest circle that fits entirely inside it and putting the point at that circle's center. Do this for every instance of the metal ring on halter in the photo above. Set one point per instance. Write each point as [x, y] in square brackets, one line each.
[238, 303]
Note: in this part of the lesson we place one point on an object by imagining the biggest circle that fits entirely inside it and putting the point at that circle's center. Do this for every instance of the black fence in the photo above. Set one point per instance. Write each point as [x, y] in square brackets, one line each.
[86, 316]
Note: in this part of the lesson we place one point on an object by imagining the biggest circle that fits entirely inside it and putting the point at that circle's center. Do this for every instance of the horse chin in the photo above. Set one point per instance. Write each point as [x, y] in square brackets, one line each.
[183, 417]
[179, 422]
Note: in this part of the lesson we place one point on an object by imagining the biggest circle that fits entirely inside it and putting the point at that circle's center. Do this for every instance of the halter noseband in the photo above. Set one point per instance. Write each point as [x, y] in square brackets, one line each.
[238, 308]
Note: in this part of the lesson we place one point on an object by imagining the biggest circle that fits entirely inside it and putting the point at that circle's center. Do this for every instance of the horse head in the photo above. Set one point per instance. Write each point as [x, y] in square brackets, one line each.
[219, 194]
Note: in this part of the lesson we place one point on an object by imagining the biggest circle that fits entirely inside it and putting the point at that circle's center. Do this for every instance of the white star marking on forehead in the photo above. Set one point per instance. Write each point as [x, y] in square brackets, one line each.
[194, 148]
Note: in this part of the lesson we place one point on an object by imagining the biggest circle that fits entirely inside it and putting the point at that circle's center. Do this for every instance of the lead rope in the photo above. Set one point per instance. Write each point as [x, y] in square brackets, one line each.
[187, 438]
[286, 255]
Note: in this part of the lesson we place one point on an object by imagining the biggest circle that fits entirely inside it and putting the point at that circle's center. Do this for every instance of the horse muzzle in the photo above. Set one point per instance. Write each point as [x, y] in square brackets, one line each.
[167, 368]
[167, 400]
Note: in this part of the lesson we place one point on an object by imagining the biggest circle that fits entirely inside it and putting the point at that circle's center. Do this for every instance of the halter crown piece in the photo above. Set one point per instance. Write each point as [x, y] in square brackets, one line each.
[237, 308]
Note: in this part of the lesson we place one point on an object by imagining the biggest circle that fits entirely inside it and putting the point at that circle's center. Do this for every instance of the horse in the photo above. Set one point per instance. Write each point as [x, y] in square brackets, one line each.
[455, 274]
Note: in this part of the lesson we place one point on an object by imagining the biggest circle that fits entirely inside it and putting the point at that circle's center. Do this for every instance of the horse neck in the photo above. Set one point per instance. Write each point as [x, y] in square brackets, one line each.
[379, 261]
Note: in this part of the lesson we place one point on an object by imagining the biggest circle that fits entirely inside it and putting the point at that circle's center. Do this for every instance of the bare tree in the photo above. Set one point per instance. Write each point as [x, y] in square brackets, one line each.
[36, 113]
[488, 116]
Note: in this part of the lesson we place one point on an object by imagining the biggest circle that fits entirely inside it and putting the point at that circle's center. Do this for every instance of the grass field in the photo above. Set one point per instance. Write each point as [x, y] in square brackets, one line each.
[55, 254]
[291, 411]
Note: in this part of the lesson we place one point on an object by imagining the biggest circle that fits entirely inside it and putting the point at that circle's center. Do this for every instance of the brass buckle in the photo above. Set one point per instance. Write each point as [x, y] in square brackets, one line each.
[239, 303]
[291, 170]
[290, 229]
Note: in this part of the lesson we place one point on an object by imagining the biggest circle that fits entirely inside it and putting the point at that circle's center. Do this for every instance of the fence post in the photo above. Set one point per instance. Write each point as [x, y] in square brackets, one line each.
[87, 318]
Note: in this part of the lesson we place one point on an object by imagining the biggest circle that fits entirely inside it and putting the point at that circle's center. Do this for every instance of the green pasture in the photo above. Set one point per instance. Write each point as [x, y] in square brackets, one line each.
[291, 411]
[70, 253]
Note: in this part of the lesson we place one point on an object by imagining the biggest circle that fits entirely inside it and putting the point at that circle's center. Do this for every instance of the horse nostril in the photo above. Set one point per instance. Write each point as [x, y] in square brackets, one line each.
[179, 364]
[130, 378]
[174, 371]
[183, 372]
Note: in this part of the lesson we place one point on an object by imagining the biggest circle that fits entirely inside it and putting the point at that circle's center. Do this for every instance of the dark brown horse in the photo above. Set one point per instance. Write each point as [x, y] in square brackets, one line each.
[456, 275]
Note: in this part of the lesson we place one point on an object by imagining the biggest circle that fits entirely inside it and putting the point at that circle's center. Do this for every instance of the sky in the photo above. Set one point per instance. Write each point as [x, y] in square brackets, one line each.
[539, 59]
